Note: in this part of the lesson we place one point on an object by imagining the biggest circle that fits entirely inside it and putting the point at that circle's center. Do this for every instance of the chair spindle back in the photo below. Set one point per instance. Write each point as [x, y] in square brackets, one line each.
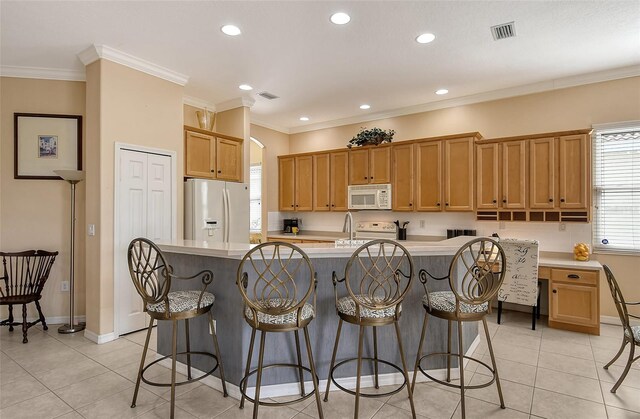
[25, 273]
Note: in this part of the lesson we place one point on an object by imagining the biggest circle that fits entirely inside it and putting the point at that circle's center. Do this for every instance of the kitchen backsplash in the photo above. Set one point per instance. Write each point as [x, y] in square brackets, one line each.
[551, 238]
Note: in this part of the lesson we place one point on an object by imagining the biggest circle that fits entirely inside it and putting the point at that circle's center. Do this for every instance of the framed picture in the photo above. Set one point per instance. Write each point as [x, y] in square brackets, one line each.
[44, 143]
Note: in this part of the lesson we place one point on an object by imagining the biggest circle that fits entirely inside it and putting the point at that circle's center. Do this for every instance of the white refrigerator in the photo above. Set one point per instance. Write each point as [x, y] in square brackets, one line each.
[216, 211]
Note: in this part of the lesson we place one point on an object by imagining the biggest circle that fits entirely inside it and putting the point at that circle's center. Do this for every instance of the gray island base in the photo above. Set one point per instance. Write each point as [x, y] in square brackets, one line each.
[234, 333]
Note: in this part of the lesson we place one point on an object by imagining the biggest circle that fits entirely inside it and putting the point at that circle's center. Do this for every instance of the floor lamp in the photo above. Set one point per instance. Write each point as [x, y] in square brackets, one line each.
[73, 177]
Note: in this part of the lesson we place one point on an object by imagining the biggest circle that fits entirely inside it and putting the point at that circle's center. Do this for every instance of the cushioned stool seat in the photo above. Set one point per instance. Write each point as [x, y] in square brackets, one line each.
[181, 301]
[288, 318]
[347, 306]
[446, 301]
[636, 333]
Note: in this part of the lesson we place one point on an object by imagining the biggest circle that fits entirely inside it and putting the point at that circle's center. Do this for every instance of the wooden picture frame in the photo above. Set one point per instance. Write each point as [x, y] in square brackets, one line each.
[44, 143]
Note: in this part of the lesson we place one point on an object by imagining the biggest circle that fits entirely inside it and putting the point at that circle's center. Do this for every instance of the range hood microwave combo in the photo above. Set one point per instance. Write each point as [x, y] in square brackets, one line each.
[370, 197]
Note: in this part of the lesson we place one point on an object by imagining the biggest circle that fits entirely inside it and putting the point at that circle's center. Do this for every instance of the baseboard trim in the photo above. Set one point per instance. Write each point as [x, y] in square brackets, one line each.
[99, 339]
[290, 389]
[616, 321]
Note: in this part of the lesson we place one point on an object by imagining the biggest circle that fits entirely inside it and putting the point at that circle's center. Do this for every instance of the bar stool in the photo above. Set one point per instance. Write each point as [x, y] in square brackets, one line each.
[151, 276]
[475, 276]
[276, 281]
[377, 278]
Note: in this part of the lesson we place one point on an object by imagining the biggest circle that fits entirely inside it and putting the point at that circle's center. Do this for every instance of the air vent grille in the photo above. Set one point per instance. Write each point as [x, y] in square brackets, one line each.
[268, 95]
[503, 31]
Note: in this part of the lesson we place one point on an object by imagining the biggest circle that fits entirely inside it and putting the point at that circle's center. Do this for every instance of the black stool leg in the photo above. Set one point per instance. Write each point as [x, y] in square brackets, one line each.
[375, 356]
[493, 361]
[259, 378]
[300, 371]
[333, 360]
[144, 355]
[404, 368]
[42, 319]
[218, 354]
[533, 318]
[314, 376]
[416, 367]
[461, 367]
[499, 311]
[174, 351]
[24, 324]
[247, 370]
[359, 371]
[186, 333]
[11, 317]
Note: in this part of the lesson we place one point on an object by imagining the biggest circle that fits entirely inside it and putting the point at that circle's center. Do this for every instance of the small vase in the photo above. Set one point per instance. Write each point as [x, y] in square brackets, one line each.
[206, 119]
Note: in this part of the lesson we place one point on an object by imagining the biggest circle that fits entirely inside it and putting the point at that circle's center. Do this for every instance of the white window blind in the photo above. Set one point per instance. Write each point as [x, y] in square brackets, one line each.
[255, 197]
[616, 182]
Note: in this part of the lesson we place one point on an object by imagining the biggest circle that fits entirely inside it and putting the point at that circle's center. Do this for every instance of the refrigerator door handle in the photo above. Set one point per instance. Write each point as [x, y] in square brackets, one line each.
[227, 215]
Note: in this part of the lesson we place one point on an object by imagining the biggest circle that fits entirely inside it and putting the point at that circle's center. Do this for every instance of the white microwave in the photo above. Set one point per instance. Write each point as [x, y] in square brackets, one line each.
[370, 197]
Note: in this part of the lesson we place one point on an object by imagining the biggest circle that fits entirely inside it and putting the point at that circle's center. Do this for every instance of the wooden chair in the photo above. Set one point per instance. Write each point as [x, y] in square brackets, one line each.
[278, 285]
[631, 333]
[475, 276]
[521, 285]
[24, 275]
[377, 278]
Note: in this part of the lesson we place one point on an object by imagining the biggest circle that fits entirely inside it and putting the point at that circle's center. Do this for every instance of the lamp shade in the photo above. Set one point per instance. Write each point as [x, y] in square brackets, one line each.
[70, 175]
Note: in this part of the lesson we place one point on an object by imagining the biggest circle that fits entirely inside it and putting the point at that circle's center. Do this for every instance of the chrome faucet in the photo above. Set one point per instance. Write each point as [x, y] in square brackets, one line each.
[348, 220]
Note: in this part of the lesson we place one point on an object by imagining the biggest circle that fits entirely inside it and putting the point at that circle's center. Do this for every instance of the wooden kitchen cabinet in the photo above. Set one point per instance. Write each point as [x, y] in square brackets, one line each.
[370, 165]
[339, 180]
[212, 156]
[573, 164]
[487, 175]
[321, 182]
[429, 176]
[459, 174]
[286, 183]
[403, 173]
[514, 174]
[542, 173]
[574, 300]
[304, 183]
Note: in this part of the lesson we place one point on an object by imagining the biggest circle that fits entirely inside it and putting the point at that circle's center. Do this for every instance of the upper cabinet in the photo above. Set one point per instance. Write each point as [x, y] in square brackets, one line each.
[339, 180]
[459, 174]
[403, 174]
[212, 156]
[370, 165]
[573, 167]
[487, 175]
[286, 183]
[542, 173]
[295, 175]
[428, 176]
[321, 182]
[514, 174]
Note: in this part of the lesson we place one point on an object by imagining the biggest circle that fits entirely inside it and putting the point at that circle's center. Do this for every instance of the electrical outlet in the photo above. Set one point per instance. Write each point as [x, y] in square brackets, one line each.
[64, 286]
[562, 226]
[422, 223]
[215, 327]
[502, 225]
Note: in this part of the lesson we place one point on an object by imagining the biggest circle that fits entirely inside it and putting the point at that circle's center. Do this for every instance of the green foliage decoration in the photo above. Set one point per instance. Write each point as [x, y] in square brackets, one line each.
[373, 136]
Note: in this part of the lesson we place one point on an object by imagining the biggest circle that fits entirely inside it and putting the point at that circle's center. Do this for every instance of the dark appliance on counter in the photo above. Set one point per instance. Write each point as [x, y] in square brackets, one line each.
[289, 224]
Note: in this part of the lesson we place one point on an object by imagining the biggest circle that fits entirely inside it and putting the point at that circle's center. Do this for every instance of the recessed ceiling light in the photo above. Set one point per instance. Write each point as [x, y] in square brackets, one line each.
[304, 118]
[340, 18]
[245, 87]
[425, 38]
[231, 30]
[365, 106]
[442, 92]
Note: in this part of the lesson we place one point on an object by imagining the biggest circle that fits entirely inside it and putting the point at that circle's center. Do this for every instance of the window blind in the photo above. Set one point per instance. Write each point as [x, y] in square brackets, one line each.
[616, 182]
[255, 197]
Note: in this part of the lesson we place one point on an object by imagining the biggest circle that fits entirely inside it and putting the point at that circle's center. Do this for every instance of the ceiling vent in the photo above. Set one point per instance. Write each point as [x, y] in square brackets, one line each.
[503, 31]
[268, 95]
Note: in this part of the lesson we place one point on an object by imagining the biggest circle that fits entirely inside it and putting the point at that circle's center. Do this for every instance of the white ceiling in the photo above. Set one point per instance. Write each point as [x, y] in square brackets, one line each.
[326, 71]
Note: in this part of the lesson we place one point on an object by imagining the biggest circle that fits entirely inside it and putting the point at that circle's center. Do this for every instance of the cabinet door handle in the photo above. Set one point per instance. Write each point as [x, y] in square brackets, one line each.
[495, 201]
[504, 201]
[555, 291]
[327, 204]
[410, 204]
[333, 205]
[446, 204]
[366, 177]
[550, 199]
[213, 171]
[573, 276]
[561, 199]
[219, 171]
[438, 204]
[291, 204]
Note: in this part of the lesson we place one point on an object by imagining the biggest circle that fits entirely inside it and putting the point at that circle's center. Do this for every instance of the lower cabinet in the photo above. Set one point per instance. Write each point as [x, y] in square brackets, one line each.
[574, 300]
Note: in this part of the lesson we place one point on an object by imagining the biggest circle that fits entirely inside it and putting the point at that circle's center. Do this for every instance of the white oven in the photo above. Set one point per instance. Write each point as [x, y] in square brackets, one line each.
[370, 197]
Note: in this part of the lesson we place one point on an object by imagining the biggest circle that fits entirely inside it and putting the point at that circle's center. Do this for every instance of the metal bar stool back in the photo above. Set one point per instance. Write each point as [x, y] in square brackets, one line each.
[631, 333]
[278, 285]
[152, 276]
[377, 277]
[475, 276]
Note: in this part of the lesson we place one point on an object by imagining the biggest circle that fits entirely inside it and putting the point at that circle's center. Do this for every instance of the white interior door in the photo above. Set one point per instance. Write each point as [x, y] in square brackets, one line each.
[144, 210]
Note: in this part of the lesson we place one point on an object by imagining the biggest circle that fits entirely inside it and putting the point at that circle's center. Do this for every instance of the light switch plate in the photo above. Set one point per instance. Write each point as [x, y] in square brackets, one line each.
[91, 229]
[64, 286]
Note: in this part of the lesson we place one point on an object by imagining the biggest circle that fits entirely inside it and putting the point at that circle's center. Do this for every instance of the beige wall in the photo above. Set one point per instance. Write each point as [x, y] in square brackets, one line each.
[131, 107]
[558, 110]
[36, 213]
[275, 144]
[566, 109]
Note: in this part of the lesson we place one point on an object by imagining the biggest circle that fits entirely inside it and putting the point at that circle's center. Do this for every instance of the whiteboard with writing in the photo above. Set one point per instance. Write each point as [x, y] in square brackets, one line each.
[520, 284]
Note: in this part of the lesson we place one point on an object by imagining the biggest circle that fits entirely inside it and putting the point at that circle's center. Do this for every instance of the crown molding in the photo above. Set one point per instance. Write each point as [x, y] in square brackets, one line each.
[96, 52]
[554, 84]
[267, 125]
[42, 73]
[198, 103]
[238, 102]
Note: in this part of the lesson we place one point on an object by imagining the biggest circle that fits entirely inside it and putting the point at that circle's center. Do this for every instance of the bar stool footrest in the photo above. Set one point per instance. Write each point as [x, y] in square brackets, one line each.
[264, 367]
[457, 357]
[157, 384]
[353, 393]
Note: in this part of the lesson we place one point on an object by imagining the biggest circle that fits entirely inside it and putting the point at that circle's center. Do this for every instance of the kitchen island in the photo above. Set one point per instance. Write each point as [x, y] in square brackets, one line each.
[189, 257]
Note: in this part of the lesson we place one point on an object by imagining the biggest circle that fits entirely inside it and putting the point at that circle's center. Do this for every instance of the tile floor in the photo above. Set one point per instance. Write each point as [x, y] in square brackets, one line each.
[545, 373]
